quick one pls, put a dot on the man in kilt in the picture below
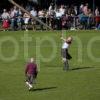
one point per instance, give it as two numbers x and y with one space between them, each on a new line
64 52
31 73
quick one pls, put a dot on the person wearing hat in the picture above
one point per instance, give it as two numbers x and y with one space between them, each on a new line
31 73
64 52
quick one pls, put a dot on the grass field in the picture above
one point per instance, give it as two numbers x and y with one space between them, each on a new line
81 82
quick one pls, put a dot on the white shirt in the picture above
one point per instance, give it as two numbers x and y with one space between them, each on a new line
34 13
5 15
97 12
41 14
58 14
50 8
13 13
62 11
65 45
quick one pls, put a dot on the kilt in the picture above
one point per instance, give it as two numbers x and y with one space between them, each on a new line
31 78
65 54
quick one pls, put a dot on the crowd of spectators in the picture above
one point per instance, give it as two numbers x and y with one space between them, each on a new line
58 17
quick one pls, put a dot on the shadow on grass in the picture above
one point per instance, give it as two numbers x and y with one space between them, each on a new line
82 68
42 89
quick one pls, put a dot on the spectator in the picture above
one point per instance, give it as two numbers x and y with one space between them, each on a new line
26 20
90 19
76 10
64 21
19 22
5 24
5 15
85 9
55 16
58 19
81 8
52 18
97 18
34 14
13 19
41 15
97 13
83 20
62 9
51 7
19 12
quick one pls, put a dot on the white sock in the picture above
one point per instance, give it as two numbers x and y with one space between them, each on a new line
30 85
27 83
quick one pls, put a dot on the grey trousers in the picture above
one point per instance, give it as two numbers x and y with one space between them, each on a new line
65 57
66 65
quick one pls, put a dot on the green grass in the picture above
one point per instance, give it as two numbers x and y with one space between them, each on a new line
82 82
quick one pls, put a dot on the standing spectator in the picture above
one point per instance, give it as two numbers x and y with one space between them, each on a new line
76 10
19 19
86 9
97 13
5 15
97 18
5 18
14 14
41 15
12 20
90 19
19 22
34 14
64 21
0 20
52 18
62 9
58 19
81 8
5 24
19 12
26 20
51 7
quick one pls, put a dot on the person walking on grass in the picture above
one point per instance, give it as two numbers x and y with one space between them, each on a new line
64 52
31 73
